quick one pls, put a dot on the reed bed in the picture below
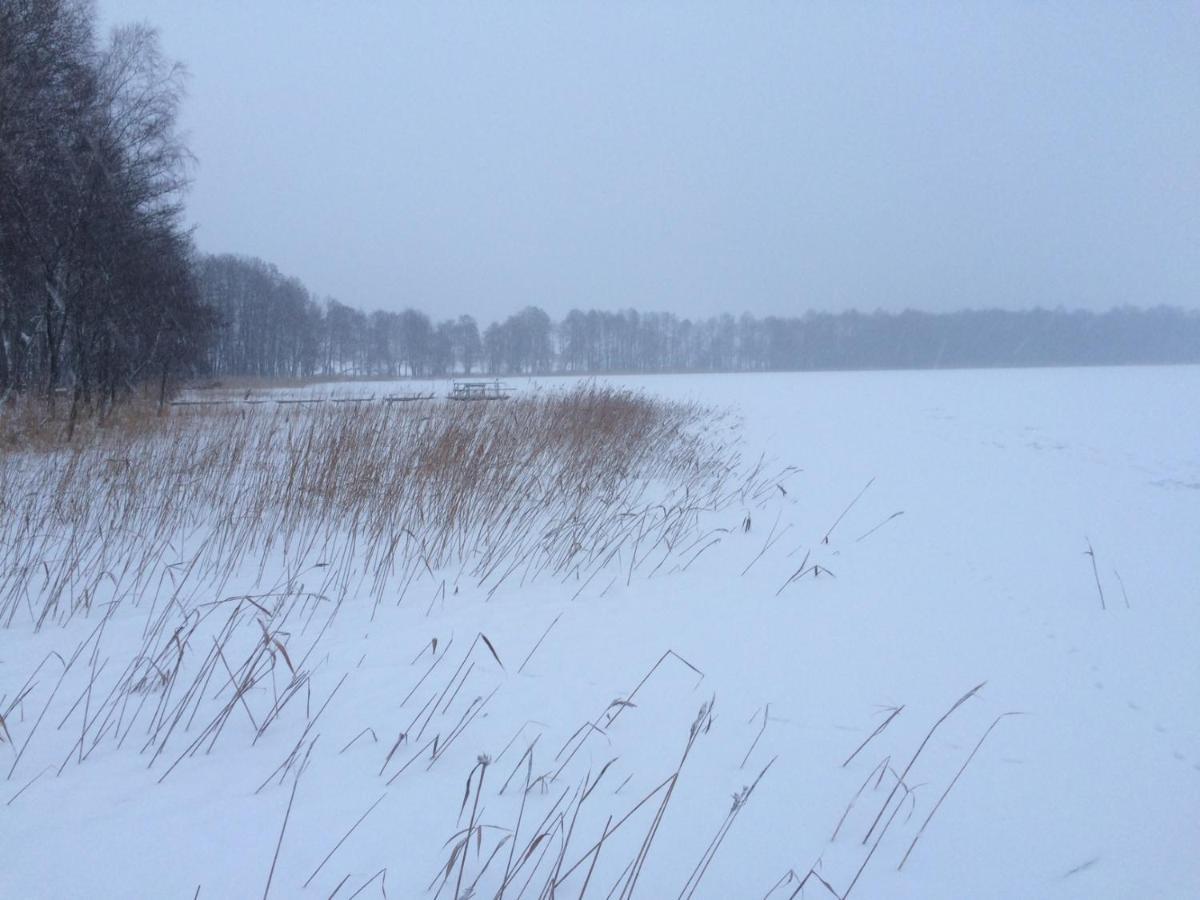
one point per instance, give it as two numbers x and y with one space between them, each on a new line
376 496
194 562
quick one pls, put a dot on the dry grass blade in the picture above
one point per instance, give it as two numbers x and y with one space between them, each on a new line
950 786
343 839
532 651
903 775
282 829
894 711
1091 554
858 496
495 655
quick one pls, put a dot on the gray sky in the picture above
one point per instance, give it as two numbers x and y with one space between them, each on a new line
699 158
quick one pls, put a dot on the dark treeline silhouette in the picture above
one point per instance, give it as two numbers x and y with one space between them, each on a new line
272 326
628 341
97 291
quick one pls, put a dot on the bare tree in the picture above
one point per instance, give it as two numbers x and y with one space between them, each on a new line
95 283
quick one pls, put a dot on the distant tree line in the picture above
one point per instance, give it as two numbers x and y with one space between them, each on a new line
629 341
271 326
97 290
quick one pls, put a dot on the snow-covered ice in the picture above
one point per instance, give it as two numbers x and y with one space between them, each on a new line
963 562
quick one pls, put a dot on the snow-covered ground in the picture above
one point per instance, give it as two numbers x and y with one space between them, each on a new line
942 522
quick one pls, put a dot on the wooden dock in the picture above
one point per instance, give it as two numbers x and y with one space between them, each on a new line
479 390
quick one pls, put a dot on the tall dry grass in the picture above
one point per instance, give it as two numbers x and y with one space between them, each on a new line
373 495
230 537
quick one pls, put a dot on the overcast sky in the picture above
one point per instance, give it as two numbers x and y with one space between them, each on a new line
761 157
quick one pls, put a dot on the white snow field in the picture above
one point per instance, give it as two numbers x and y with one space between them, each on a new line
931 544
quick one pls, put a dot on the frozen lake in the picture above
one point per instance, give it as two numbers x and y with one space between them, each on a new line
948 515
